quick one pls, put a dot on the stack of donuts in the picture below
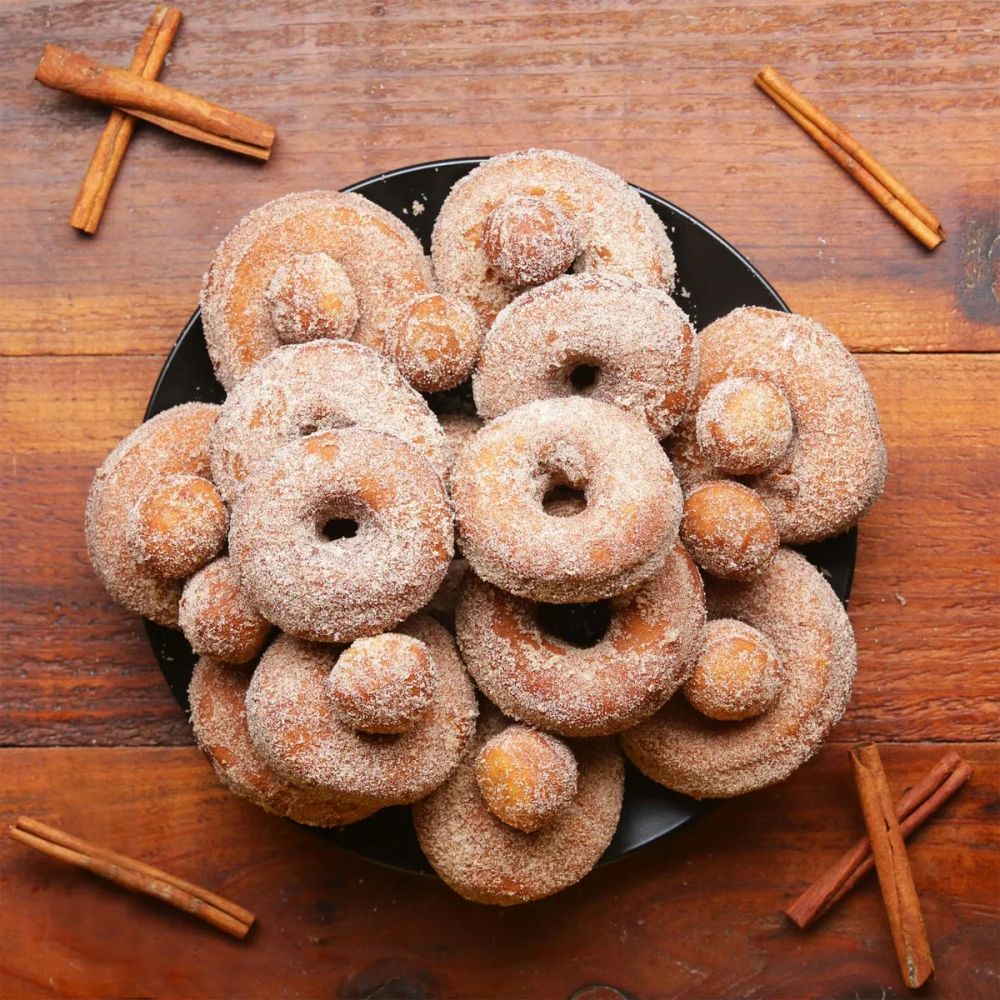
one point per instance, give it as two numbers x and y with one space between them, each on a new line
469 530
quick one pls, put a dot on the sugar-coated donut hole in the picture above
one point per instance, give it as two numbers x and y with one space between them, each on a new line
382 684
526 777
728 530
436 343
177 525
738 674
216 617
744 425
528 240
310 296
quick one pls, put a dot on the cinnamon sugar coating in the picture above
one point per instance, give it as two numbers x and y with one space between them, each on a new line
835 467
635 346
459 429
615 229
310 296
526 777
174 442
728 530
322 385
177 525
295 728
528 240
487 861
342 534
619 540
218 716
381 257
795 608
216 617
648 650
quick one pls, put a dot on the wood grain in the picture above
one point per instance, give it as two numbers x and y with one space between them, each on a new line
661 93
330 925
78 669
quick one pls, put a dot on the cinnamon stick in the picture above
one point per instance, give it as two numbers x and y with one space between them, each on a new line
841 146
170 108
147 61
913 809
899 894
134 875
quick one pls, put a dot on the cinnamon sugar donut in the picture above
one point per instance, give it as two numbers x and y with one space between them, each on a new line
834 467
599 335
620 539
218 715
797 611
488 861
216 617
608 227
322 385
648 650
341 535
295 728
173 443
252 289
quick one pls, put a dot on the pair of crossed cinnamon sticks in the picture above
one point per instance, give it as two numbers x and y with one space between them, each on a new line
884 850
897 199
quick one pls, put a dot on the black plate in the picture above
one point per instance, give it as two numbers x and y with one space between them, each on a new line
712 279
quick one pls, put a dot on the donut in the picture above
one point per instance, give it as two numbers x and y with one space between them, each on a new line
175 442
535 676
526 777
728 529
834 466
620 539
382 684
436 343
216 617
322 385
218 716
795 608
459 429
295 728
311 296
342 534
488 861
177 525
608 225
737 675
598 335
258 283
445 600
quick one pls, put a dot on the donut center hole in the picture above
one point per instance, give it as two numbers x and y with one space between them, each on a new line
580 625
583 377
563 500
336 529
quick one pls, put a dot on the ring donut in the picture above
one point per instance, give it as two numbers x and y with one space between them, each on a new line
622 537
322 385
173 443
290 259
341 535
488 861
294 725
632 345
555 208
218 716
793 606
832 466
647 651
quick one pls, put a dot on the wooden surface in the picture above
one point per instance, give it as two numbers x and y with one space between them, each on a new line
662 93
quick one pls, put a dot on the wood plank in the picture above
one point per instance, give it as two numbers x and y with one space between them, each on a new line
77 670
660 93
331 924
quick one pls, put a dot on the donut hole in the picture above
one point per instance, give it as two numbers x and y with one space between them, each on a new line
338 528
579 625
583 377
562 500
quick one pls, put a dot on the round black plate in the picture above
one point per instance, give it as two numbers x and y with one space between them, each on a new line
712 279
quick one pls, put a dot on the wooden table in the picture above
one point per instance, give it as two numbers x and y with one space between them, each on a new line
660 92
